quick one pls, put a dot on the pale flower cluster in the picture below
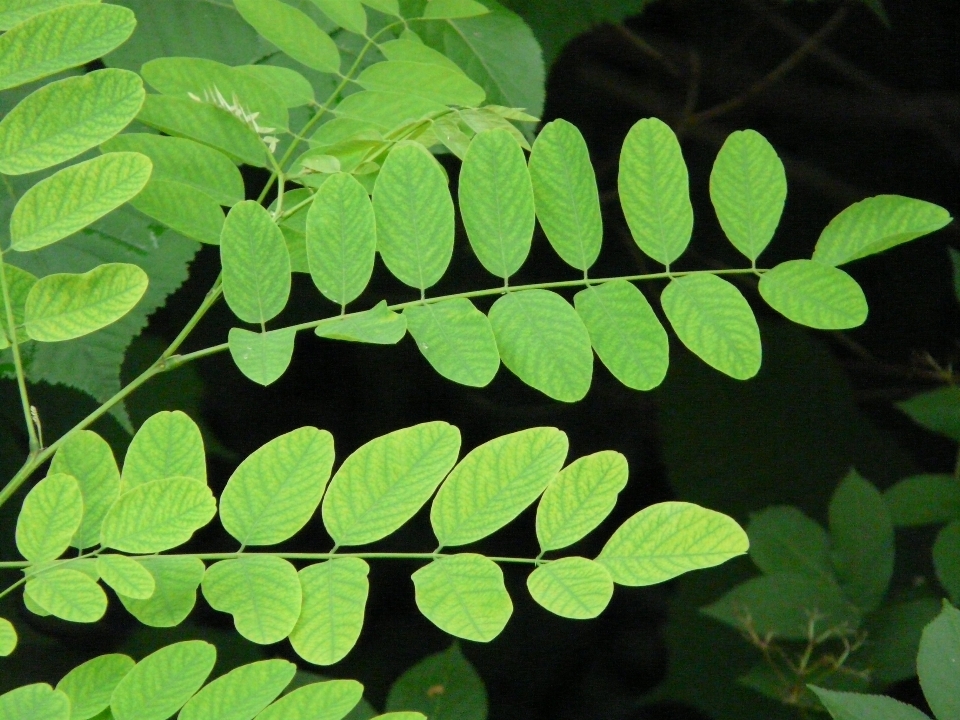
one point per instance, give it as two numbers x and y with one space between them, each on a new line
215 97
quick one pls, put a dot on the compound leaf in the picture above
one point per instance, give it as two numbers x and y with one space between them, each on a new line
923 500
293 32
783 539
292 87
90 685
572 587
176 580
181 208
385 110
451 9
241 693
330 700
262 356
462 695
857 706
813 294
430 81
456 339
937 664
163 682
37 702
168 444
126 576
379 325
936 410
88 458
68 594
51 514
348 14
8 638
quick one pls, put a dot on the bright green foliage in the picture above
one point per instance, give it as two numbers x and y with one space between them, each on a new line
415 219
669 539
262 356
90 685
15 12
276 490
625 332
125 575
51 514
936 410
262 593
861 532
877 224
496 201
348 14
241 693
946 559
439 83
854 706
923 500
158 515
938 664
543 341
783 539
63 38
464 595
65 118
401 716
88 458
167 445
382 110
19 282
341 239
580 498
330 700
449 9
572 587
748 187
495 482
389 7
32 606
565 188
379 325
76 196
715 322
456 339
463 695
162 682
8 638
386 482
181 208
292 87
64 306
68 594
293 32
334 598
414 51
655 191
37 702
176 580
256 266
813 294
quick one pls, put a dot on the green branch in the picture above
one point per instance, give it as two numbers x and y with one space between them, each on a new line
11 325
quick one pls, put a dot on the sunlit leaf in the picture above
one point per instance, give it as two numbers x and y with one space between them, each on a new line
15 12
19 284
330 700
126 576
262 356
51 515
450 9
180 207
293 32
348 14
415 51
162 682
444 686
783 539
946 559
572 587
176 580
90 685
379 325
168 444
813 294
88 458
68 594
241 693
292 87
857 706
37 702
456 339
427 80
8 638
382 109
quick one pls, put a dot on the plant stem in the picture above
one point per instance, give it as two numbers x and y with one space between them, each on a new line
17 362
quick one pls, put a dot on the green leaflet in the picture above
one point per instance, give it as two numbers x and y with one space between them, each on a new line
401 716
32 606
341 240
430 81
415 216
414 51
580 498
241 693
379 325
389 7
187 162
207 124
923 500
181 208
946 559
655 191
37 702
168 444
68 594
64 306
783 539
856 706
292 87
386 482
456 339
936 410
464 595
495 482
263 357
748 187
162 682
861 534
158 515
448 130
572 587
15 12
450 9
330 700
8 638
493 117
126 576
262 593
877 224
275 491
51 514
937 664
813 294
90 685
88 458
334 598
625 332
896 629
293 32
348 14
176 580
385 110
496 201
464 696
74 197
63 38
543 341
668 539
715 322
65 118
19 282
565 188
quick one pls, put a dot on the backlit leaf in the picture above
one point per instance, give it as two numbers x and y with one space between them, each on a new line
125 575
456 339
449 9
68 594
415 51
15 12
384 110
857 706
461 695
348 14
262 356
572 587
162 682
386 481
168 444
334 599
946 559
292 87
379 325
19 283
51 514
8 638
937 410
88 458
276 490
937 664
427 80
330 700
293 32
37 702
180 207
923 500
176 580
241 693
464 595
813 294
90 685
783 539
668 539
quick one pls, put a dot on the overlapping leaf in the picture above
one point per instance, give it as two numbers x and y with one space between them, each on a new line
51 515
241 693
16 11
262 356
379 325
90 685
348 14
127 576
168 444
68 594
35 701
180 207
292 31
19 284
87 457
430 81
331 700
176 580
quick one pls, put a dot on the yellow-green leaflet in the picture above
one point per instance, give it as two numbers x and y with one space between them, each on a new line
262 356
125 575
668 539
19 283
334 599
38 701
464 696
8 638
168 444
464 595
68 594
241 693
386 110
386 482
51 514
162 682
90 685
65 118
427 80
32 606
59 39
76 196
176 580
292 87
416 52
293 32
89 459
181 208
813 294
572 587
330 700
450 9
15 12
388 7
348 14
262 593
379 325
